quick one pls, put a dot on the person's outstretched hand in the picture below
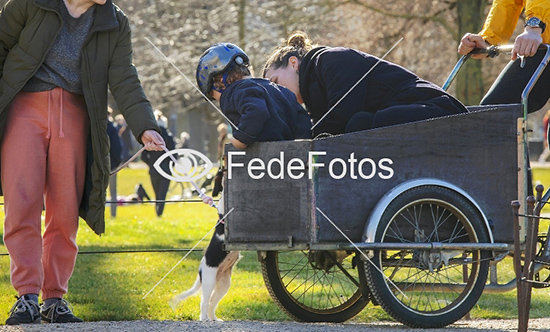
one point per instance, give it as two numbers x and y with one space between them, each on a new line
152 141
469 42
207 200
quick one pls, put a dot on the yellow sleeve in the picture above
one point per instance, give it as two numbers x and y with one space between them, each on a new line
502 20
540 9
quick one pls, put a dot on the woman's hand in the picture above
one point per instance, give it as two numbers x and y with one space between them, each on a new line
207 200
471 41
152 141
527 43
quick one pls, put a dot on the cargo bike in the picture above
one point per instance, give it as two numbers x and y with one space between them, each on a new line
411 217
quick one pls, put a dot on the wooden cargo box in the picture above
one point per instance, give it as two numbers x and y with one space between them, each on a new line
274 198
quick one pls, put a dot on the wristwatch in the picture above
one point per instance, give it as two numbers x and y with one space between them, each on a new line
535 22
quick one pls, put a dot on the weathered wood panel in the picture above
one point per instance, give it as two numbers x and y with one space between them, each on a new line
267 209
476 152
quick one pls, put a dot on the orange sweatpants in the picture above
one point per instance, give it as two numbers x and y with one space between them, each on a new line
43 163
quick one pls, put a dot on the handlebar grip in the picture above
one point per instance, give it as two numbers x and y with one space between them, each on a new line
493 50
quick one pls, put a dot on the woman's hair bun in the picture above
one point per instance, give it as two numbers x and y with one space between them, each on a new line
299 40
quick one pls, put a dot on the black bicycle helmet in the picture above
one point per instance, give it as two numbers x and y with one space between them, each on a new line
217 59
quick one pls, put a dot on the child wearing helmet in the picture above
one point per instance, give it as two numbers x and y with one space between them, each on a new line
260 110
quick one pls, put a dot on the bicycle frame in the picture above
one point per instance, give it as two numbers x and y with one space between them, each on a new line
492 52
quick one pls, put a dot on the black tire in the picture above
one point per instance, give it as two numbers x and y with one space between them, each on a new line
542 275
438 287
309 287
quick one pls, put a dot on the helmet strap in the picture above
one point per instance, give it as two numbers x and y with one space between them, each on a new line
224 78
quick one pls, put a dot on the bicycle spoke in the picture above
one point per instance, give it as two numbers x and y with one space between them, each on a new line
315 287
419 280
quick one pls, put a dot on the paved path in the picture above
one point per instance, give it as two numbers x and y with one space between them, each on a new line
539 324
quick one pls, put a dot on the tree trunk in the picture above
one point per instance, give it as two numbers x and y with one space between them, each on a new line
242 25
469 83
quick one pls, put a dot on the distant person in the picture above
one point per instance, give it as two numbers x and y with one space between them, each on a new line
322 78
115 152
58 60
159 182
183 142
125 135
223 138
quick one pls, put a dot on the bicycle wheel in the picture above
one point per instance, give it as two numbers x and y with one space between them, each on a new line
316 286
429 288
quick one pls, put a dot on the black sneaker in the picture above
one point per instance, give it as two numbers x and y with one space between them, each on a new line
59 313
24 312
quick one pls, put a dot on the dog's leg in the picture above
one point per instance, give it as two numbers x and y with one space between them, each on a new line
222 287
223 281
208 284
184 295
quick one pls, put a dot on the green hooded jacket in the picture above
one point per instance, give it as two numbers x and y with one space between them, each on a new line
28 29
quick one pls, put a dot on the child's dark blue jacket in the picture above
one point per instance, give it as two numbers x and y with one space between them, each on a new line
264 111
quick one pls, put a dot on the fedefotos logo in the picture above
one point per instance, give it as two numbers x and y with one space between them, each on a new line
278 168
185 165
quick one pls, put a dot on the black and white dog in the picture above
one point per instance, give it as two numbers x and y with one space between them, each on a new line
214 276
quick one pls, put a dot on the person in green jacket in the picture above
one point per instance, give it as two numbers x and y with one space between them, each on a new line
57 60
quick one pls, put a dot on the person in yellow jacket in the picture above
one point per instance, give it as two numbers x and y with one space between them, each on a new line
498 28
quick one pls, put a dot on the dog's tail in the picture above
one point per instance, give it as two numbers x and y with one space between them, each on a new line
191 291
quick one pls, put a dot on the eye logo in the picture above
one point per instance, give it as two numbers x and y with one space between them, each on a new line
185 165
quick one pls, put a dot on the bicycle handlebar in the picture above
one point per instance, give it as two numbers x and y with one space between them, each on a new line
491 51
495 50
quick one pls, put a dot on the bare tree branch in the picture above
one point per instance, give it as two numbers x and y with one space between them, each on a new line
436 17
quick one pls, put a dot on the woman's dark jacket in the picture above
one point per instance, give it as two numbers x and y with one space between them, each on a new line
28 29
327 74
264 111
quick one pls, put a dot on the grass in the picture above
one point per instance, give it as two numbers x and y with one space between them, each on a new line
112 286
